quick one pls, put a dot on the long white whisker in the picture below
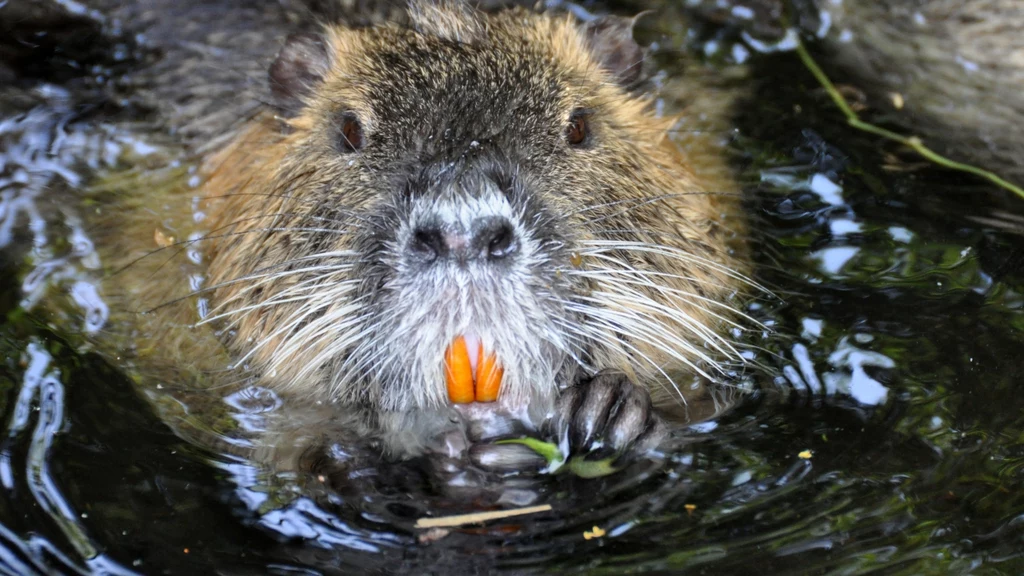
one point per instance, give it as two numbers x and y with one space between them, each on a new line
604 274
294 319
615 342
626 324
601 246
706 334
285 296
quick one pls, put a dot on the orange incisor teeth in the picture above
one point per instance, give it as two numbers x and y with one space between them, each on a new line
463 387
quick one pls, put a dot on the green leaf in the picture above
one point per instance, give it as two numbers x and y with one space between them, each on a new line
592 468
578 466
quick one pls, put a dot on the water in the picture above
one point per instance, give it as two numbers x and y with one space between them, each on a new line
886 435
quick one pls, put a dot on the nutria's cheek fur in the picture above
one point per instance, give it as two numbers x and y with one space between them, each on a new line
477 174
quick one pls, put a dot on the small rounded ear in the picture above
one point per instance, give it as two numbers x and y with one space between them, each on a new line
611 42
300 65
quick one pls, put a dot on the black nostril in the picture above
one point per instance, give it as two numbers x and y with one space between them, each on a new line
490 239
428 243
495 238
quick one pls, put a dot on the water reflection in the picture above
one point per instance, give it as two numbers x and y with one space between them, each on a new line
47 155
41 397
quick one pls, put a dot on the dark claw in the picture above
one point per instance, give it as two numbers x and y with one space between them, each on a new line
593 412
608 415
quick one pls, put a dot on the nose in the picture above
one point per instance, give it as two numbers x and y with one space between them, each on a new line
490 239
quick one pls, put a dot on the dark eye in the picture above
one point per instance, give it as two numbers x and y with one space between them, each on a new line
578 130
351 133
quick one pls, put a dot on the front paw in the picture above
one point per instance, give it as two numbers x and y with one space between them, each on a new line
608 416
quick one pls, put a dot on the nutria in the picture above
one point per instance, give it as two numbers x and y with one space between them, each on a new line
485 176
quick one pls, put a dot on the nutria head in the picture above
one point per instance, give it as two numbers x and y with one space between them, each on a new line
473 175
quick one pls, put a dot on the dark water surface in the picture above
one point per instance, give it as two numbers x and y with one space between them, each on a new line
886 435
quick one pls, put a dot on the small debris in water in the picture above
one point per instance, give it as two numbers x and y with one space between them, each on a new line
897 100
162 240
433 535
594 532
806 455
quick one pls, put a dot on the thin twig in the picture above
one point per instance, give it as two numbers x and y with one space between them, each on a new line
478 517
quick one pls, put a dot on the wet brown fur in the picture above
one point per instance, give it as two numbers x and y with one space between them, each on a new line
266 172
265 184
